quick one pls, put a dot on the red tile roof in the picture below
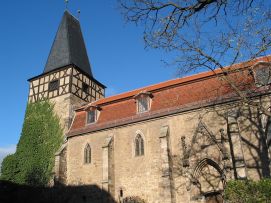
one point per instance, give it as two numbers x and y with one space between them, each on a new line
168 97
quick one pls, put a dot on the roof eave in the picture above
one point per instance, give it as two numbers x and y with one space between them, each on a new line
66 66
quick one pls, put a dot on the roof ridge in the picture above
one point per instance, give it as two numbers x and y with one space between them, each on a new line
178 81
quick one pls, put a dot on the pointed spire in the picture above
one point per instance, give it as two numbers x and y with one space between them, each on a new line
68 47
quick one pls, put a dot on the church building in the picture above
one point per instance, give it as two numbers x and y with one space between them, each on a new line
177 141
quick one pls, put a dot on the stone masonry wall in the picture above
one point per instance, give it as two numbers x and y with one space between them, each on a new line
143 176
64 108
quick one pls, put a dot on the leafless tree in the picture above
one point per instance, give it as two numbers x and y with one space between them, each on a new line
205 34
209 35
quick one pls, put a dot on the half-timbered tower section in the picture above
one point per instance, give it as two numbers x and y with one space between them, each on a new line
67 79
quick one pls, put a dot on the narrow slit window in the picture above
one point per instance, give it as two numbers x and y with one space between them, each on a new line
87 154
139 146
268 129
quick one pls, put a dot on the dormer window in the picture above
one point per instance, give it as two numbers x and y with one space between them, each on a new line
91 116
142 104
262 73
92 113
143 100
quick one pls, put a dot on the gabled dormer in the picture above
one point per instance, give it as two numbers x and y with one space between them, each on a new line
262 73
143 101
93 113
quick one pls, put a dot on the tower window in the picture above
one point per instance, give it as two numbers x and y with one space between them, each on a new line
87 154
91 116
142 104
121 193
53 85
85 88
139 145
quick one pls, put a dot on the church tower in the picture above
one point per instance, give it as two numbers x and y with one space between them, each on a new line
67 79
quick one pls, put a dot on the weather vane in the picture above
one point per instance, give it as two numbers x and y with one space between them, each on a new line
66 3
78 13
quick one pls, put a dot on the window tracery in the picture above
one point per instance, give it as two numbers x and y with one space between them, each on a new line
87 154
139 145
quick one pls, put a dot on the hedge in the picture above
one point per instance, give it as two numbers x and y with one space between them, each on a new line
248 191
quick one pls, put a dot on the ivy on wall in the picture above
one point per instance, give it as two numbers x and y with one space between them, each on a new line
41 137
238 191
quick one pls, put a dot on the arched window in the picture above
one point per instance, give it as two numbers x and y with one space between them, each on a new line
87 154
139 145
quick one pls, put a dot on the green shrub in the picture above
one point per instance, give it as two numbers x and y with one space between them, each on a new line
247 191
41 137
9 167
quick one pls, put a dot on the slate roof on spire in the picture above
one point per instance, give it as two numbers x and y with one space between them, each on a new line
68 47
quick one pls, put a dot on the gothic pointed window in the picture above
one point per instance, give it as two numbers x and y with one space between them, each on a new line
87 154
268 132
139 145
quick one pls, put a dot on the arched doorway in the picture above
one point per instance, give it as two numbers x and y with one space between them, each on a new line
208 182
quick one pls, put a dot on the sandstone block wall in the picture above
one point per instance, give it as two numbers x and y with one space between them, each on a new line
64 108
146 176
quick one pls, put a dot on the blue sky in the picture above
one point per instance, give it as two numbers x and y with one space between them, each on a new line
116 52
